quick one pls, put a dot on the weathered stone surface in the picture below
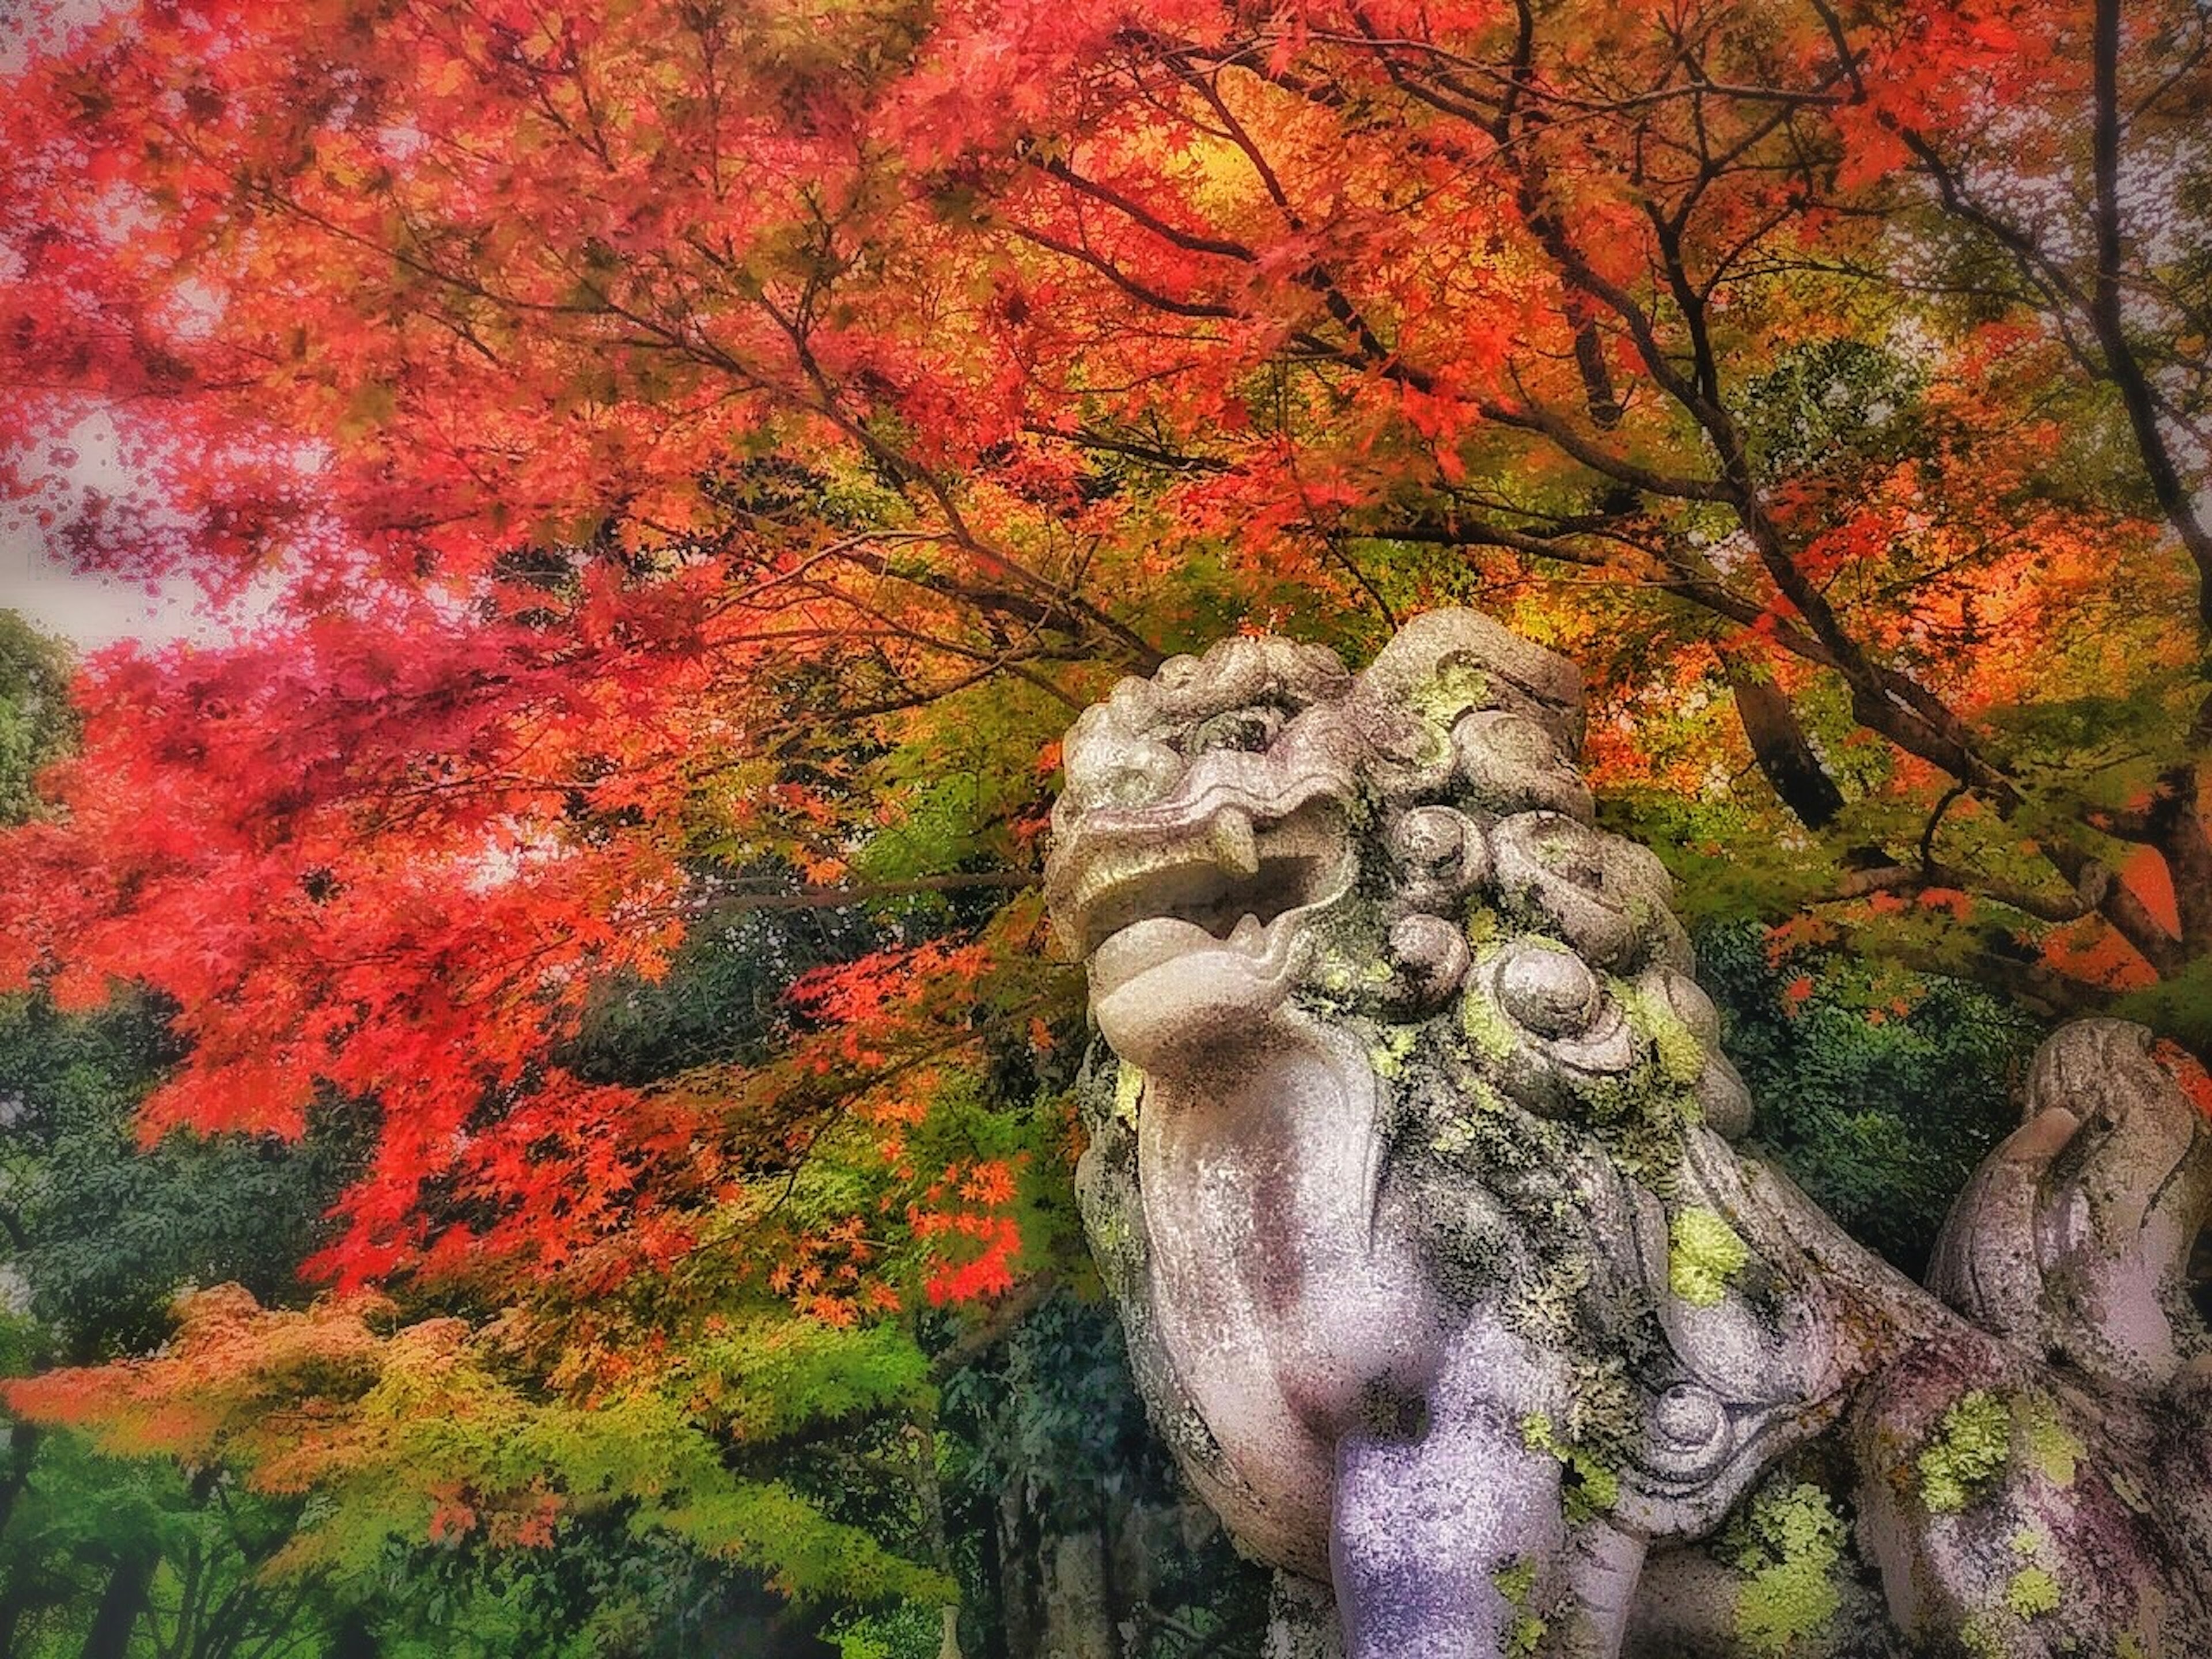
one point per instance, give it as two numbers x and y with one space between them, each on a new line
1411 1170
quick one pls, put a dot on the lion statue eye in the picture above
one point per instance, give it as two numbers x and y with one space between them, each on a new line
1250 729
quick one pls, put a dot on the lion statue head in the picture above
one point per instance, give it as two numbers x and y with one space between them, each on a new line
1256 829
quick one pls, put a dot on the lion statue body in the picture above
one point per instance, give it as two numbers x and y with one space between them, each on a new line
1413 1176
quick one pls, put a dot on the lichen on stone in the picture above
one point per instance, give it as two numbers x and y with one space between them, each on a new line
1449 694
1472 1123
1787 1541
1963 1456
1604 1409
2051 1449
1639 1119
1392 1046
1541 1304
2032 1592
1979 1637
1516 1583
1128 1090
1703 1254
1681 1053
1112 1235
1486 1025
1588 1488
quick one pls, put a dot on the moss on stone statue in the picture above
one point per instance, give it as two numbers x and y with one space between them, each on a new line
1979 1637
1681 1055
1516 1583
1465 1136
1519 907
2032 1592
1604 1413
1588 1489
1521 1159
1487 1026
1969 1447
1390 1048
1128 1090
1110 1235
1703 1254
1448 696
1640 1119
1788 1542
2051 1449
1525 1635
1542 1303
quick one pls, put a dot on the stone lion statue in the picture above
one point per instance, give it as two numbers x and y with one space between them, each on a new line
1412 1170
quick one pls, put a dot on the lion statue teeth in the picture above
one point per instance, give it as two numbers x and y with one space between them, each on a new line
1412 1171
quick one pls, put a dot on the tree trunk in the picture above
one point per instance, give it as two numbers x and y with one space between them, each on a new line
120 1605
1779 745
22 1449
983 1523
354 1639
1077 1597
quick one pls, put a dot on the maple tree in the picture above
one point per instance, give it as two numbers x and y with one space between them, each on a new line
706 451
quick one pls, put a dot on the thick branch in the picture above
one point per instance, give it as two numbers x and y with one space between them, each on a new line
1785 755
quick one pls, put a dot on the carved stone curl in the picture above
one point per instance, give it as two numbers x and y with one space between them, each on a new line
1411 1171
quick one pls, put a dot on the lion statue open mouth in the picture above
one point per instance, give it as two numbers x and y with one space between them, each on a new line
1412 1173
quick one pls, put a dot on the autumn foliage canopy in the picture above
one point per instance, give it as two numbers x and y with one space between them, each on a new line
702 451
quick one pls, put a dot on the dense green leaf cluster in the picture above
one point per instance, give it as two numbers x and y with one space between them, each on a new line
37 723
1877 1095
103 1233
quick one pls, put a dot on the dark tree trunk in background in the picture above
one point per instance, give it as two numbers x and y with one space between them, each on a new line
1083 1590
22 1449
1086 1545
1785 755
15 1601
355 1638
120 1605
